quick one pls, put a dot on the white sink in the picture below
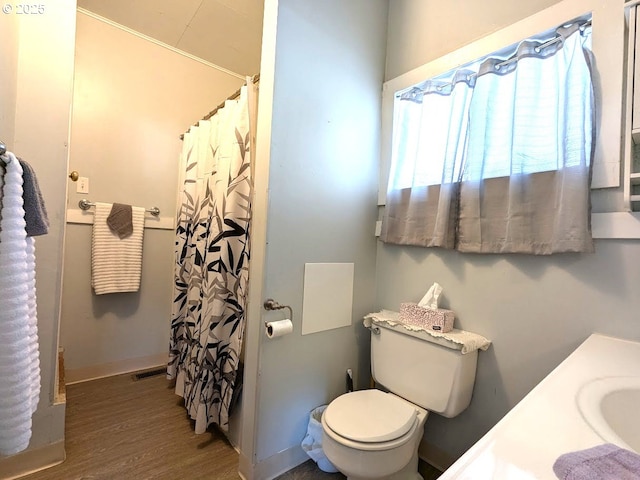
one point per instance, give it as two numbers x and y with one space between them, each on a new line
591 398
611 406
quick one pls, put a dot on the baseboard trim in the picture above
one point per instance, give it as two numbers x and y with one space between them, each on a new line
31 461
272 466
93 372
435 456
245 467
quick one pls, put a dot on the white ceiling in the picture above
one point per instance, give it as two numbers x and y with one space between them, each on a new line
227 33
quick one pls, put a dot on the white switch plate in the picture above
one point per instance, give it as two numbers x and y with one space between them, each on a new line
82 186
378 228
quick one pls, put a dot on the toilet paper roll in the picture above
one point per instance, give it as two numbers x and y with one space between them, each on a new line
279 328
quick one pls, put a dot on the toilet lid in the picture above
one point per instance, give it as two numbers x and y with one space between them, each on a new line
370 416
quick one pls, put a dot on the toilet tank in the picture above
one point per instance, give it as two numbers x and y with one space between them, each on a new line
413 366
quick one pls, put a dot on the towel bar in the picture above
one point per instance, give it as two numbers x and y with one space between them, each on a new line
85 204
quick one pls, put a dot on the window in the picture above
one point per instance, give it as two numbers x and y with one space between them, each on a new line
495 157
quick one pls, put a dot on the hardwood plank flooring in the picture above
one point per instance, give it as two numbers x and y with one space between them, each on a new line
310 471
121 429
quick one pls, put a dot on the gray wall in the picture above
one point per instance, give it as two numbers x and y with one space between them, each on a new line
8 87
536 310
322 201
120 328
423 30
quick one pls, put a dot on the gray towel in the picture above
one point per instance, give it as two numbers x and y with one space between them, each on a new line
35 212
120 220
604 462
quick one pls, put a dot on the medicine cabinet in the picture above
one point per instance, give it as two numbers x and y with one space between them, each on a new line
632 116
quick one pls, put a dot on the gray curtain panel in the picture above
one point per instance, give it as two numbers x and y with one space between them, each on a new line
526 213
422 216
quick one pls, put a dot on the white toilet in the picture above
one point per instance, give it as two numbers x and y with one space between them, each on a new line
371 434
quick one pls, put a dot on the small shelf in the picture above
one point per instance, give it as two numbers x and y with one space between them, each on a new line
634 198
635 134
634 178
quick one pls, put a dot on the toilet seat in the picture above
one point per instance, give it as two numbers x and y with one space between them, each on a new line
371 419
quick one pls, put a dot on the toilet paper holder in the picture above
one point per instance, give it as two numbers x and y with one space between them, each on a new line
271 304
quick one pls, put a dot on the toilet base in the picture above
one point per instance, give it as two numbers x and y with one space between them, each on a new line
409 472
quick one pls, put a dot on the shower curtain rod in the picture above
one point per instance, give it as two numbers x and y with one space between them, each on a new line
233 96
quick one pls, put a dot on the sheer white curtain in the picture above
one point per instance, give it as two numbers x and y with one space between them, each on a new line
498 161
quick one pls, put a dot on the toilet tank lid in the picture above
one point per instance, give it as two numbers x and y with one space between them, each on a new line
370 416
456 339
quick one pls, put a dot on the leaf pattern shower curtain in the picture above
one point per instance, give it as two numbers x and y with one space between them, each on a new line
212 262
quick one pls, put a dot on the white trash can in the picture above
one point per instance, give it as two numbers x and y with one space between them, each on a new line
312 442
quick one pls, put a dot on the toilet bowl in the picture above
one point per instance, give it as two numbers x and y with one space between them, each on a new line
370 434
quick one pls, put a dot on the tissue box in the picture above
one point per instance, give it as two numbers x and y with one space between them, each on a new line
438 320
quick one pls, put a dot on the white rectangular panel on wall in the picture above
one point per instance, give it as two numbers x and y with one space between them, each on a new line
327 297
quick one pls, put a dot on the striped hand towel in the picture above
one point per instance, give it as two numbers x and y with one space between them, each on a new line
116 264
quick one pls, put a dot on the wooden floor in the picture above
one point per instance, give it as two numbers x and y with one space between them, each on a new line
121 429
118 428
310 471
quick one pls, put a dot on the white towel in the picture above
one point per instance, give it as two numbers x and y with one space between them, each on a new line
34 348
116 264
468 340
19 364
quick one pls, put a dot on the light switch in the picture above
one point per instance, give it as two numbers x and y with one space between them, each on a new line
82 186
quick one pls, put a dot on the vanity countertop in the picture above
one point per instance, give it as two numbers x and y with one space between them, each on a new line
547 422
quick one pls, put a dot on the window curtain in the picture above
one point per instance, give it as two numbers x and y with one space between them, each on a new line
526 177
422 196
522 184
212 262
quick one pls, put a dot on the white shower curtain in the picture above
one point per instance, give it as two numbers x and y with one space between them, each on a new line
212 261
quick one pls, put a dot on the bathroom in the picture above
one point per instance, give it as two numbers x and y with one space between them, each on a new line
536 310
